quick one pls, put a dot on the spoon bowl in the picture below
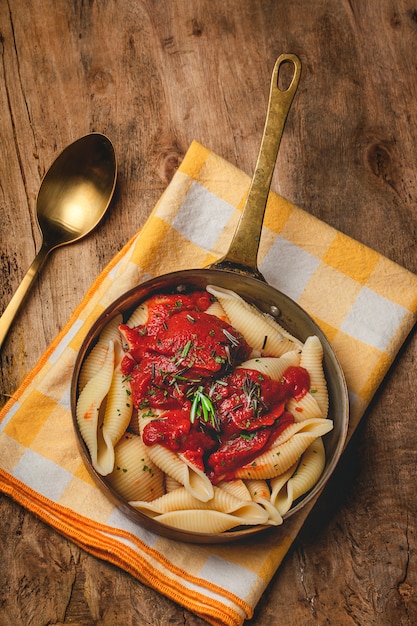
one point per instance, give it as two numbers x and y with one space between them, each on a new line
73 198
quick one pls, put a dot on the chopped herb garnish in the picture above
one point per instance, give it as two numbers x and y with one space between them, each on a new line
247 436
186 349
231 338
252 391
229 358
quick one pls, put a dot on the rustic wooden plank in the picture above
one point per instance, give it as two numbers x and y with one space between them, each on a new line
154 75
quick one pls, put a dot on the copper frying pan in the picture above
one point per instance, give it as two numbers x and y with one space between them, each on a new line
237 271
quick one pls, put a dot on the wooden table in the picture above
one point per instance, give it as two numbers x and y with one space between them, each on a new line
153 75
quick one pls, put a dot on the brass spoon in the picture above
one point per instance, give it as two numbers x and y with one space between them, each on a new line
72 199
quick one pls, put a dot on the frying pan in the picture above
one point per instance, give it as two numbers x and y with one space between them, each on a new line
237 271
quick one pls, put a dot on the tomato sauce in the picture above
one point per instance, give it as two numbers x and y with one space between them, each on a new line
184 362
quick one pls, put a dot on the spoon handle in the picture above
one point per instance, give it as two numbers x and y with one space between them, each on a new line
13 307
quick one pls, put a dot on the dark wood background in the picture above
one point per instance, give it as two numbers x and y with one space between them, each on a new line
153 75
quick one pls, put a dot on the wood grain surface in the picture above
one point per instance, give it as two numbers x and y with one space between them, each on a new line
154 75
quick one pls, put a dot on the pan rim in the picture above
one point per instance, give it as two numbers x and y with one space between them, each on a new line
178 281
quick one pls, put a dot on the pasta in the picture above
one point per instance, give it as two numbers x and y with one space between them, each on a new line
216 309
181 500
285 490
274 367
102 424
204 413
260 493
171 484
263 333
96 358
281 457
223 511
187 474
305 408
134 476
139 316
117 414
179 468
312 360
197 520
237 487
90 404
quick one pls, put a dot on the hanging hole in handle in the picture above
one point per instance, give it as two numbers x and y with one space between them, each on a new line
286 74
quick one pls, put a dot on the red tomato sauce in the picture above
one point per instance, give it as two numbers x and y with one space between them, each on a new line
184 361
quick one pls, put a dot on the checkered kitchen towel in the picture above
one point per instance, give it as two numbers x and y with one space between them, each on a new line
365 304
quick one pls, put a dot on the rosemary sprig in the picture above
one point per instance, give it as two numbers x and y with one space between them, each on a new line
186 349
252 391
202 406
233 340
179 358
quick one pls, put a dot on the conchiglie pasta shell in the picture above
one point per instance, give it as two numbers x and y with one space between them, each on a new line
182 500
176 466
134 476
139 316
258 489
90 402
200 521
305 408
310 426
171 484
274 367
144 416
147 415
191 477
279 458
260 493
117 416
310 468
237 488
217 310
280 481
312 361
95 359
261 331
306 475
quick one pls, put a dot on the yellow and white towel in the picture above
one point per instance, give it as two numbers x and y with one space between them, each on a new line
365 303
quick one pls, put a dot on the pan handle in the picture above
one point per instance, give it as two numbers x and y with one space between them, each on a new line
243 251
